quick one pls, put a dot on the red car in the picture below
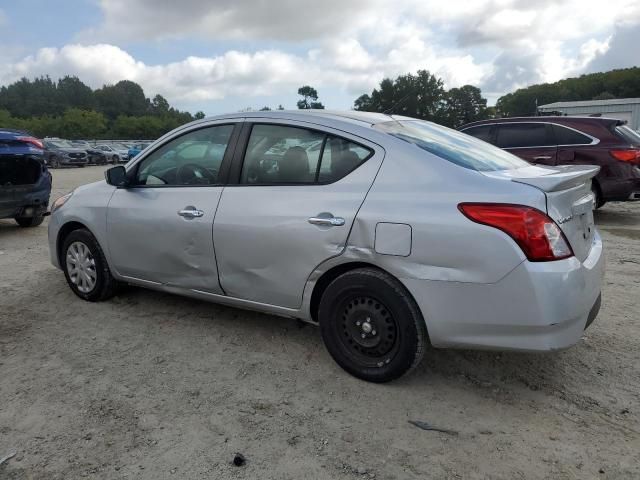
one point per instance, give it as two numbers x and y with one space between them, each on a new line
605 142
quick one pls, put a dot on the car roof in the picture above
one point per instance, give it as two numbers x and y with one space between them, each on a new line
318 116
547 118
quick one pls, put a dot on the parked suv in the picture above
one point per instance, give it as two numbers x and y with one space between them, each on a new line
605 142
61 152
25 182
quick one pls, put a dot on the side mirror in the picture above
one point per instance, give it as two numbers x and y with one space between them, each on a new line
116 176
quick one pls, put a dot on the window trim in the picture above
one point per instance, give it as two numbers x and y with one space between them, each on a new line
594 140
223 173
234 178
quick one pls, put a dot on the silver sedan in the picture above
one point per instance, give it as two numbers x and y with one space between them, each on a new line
390 233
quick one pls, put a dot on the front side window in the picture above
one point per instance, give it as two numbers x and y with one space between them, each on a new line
520 135
455 147
278 154
191 159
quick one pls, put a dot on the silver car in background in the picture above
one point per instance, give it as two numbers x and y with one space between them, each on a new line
391 233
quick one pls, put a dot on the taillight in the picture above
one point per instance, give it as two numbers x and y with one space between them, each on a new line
629 155
538 236
32 140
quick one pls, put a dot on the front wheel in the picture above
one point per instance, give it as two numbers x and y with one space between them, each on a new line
54 162
371 326
115 159
85 267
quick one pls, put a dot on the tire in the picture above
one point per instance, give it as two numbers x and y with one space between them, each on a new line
27 222
115 159
81 246
54 162
595 189
371 326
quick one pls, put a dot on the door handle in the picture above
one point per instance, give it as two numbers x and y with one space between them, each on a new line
327 221
542 157
190 212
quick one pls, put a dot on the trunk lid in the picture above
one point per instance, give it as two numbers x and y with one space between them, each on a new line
570 202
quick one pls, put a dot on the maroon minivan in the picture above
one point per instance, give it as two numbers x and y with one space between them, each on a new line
605 142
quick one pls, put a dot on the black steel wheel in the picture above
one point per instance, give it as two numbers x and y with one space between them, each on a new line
371 326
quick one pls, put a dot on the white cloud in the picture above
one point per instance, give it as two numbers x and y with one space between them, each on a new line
347 66
498 45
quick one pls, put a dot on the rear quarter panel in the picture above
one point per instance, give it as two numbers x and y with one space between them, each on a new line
419 189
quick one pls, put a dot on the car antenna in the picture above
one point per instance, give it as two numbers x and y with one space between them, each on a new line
389 111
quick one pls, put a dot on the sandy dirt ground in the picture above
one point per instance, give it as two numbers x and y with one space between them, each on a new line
155 386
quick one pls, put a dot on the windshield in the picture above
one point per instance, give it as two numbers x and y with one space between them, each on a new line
456 147
629 135
61 144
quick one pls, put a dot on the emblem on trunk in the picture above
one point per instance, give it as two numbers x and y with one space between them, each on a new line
562 220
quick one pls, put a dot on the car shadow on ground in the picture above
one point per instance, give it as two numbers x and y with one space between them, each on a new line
483 369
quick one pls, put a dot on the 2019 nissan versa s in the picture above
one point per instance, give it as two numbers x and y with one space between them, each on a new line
389 232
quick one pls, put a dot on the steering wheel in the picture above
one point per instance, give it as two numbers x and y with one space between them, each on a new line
193 174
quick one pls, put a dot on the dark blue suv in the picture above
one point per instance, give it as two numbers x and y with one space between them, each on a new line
25 182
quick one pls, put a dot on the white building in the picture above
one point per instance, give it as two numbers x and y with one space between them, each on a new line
621 108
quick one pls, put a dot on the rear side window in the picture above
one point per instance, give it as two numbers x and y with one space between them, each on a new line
519 135
280 155
455 147
567 136
482 132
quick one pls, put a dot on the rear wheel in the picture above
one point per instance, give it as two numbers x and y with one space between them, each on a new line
371 326
85 267
597 193
54 162
115 159
29 221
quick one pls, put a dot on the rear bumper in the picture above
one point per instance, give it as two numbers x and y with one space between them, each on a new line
33 203
623 189
537 307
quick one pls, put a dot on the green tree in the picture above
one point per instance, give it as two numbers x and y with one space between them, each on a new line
463 105
159 105
418 96
199 115
309 98
265 109
72 93
123 98
280 107
76 123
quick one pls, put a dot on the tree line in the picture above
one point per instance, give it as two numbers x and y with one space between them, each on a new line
68 108
620 83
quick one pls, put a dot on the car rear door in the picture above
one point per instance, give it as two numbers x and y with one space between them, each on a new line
531 141
159 229
296 194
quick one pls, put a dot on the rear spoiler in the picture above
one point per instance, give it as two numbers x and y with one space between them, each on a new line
566 177
550 179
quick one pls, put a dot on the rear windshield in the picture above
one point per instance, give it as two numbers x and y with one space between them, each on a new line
456 147
628 135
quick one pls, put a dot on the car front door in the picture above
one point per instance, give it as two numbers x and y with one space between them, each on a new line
531 141
160 227
297 191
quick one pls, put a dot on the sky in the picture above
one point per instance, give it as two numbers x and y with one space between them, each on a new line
226 55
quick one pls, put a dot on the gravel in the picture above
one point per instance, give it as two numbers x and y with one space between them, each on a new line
152 386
